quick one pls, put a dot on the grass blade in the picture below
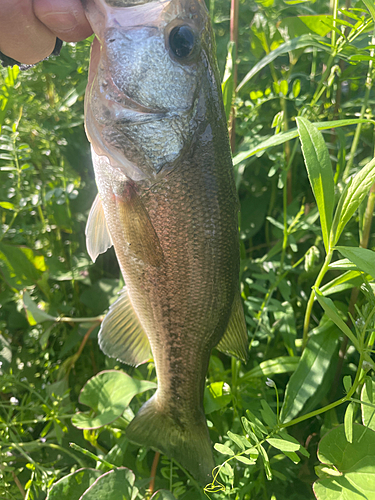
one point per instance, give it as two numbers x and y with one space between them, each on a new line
278 139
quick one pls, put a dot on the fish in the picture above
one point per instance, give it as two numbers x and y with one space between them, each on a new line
168 204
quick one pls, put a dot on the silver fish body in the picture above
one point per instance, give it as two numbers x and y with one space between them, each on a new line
167 202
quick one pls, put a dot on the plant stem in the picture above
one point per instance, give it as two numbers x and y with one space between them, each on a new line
91 455
153 472
96 319
320 88
19 485
334 15
286 203
310 303
80 349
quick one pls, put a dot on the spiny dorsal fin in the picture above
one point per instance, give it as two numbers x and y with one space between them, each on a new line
98 239
234 341
121 335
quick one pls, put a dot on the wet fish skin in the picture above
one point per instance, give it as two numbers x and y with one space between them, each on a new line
163 168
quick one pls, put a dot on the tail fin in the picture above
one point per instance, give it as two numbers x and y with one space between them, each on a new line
188 443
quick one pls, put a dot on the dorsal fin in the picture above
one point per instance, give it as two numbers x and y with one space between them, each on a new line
121 335
235 341
98 239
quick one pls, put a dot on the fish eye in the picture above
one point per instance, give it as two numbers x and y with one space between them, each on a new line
182 41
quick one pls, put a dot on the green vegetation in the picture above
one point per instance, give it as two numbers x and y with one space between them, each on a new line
297 422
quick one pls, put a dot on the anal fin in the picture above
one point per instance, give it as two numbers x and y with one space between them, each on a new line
121 335
98 239
235 341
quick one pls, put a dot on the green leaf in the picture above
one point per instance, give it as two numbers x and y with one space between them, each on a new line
227 86
319 170
216 396
73 486
292 456
276 140
284 87
116 454
342 264
5 352
363 258
38 315
22 264
108 393
296 87
348 422
227 470
270 367
347 382
266 462
354 478
256 424
368 404
237 439
300 25
294 44
352 196
370 5
310 374
245 460
287 326
6 205
267 414
344 282
332 312
116 484
224 450
253 452
283 445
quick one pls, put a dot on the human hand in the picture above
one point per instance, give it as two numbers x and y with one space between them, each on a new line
28 28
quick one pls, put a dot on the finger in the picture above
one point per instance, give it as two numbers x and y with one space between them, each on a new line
65 18
22 36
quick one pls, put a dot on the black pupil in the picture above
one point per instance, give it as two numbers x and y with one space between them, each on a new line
181 41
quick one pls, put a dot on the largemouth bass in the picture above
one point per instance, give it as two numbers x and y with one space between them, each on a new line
167 202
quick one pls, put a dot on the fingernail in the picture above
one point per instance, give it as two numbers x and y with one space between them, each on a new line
60 21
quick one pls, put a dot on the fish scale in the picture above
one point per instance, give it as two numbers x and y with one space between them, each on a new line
170 209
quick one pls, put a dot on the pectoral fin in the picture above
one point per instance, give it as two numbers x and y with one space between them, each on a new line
121 335
234 341
139 233
98 239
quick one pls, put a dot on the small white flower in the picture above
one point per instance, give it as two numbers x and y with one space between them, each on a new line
270 382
